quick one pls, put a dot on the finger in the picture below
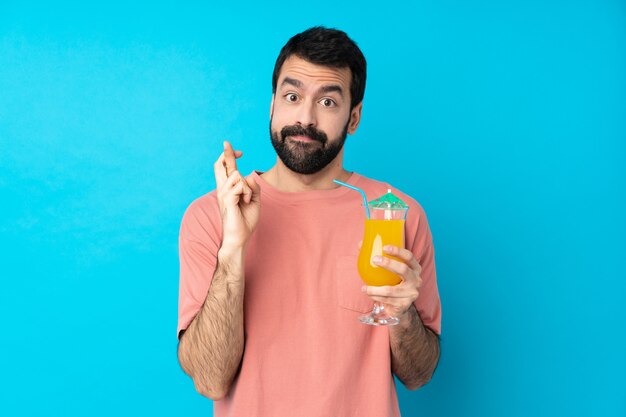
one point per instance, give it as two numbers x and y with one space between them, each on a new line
394 266
252 183
397 303
391 291
229 162
228 184
233 195
218 170
238 185
254 187
406 255
230 157
360 244
234 178
234 185
247 191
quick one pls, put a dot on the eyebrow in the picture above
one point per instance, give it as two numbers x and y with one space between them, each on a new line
331 88
325 89
292 81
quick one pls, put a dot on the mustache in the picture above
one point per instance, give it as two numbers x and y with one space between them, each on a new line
309 132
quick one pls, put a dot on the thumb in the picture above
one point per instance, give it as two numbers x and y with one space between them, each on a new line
254 186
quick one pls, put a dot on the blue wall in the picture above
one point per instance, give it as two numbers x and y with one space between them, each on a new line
506 121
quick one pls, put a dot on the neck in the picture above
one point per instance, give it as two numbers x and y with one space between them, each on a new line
284 179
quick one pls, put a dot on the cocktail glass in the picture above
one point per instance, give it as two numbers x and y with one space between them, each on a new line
385 226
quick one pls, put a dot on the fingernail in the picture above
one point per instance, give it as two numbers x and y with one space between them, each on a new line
377 258
387 248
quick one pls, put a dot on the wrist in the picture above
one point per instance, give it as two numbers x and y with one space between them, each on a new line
228 248
231 257
233 244
409 318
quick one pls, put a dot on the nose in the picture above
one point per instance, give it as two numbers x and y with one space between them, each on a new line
306 115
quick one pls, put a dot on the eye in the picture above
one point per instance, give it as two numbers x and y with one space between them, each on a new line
291 97
327 102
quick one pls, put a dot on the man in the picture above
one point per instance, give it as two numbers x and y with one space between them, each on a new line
269 290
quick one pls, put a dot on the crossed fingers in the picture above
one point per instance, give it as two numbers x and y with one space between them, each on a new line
226 164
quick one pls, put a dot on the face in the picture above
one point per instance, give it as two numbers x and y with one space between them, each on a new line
310 115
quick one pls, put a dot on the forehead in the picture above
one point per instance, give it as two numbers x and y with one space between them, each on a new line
313 74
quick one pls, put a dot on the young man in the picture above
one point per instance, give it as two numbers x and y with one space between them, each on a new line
269 289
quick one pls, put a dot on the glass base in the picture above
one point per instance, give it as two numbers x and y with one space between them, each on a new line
379 317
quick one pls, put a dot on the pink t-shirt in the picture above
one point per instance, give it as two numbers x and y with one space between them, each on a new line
305 354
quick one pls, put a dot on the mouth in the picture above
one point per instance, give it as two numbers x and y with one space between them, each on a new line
304 139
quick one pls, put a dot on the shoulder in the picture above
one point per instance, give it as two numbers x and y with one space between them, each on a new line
202 214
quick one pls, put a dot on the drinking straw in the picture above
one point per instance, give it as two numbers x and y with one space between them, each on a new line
367 208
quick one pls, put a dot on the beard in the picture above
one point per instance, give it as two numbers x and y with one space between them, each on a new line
306 157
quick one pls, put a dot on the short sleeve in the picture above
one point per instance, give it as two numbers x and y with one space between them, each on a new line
420 242
198 244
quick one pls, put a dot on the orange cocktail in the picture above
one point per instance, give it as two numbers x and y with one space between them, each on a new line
384 226
378 233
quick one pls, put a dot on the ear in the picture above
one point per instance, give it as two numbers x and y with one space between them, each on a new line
272 106
355 118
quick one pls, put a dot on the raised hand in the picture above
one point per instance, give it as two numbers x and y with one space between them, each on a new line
238 198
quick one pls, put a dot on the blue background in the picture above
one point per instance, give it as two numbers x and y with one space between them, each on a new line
506 120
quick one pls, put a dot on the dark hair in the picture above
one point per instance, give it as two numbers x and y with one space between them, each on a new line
329 47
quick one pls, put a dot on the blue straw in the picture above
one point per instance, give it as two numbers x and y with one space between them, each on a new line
367 208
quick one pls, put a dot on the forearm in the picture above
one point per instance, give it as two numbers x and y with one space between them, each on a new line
211 348
414 350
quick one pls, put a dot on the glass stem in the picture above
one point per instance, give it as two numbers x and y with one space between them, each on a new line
378 307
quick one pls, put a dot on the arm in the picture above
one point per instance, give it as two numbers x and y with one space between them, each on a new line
414 350
211 348
414 347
